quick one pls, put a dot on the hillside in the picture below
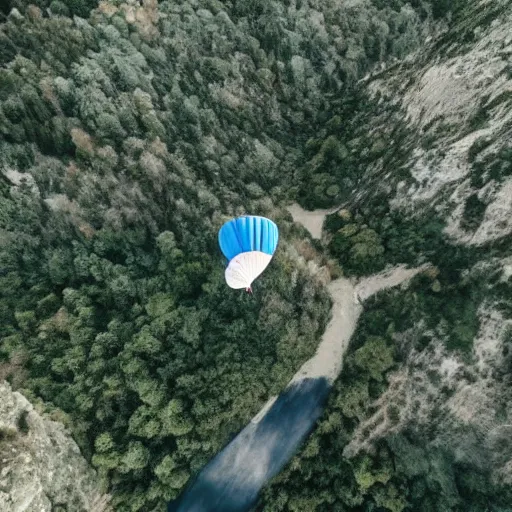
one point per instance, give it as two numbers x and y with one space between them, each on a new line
41 468
131 131
431 430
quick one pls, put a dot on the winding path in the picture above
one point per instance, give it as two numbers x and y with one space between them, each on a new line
231 481
348 297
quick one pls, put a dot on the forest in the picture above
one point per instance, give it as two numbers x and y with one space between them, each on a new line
129 133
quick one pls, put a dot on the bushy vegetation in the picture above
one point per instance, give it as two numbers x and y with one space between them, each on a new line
366 238
128 138
417 467
129 133
491 166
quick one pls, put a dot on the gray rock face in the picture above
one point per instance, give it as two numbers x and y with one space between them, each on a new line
41 467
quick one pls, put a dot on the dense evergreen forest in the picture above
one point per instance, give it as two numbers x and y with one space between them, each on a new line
129 133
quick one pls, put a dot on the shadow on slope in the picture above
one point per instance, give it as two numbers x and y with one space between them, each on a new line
232 480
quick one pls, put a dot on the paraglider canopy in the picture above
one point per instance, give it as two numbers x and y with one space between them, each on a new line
248 242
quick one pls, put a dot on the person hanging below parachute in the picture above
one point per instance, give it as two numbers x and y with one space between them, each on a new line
248 243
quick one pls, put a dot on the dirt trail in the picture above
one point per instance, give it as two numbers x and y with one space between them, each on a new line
312 221
232 480
389 278
348 296
347 299
328 358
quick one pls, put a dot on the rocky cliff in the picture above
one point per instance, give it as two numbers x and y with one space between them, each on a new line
455 99
126 133
41 467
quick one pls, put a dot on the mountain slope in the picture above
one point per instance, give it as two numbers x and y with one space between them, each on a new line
130 134
431 431
41 467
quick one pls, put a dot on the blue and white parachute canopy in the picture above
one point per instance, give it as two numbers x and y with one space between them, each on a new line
248 243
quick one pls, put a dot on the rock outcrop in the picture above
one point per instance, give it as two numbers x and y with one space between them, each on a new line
41 467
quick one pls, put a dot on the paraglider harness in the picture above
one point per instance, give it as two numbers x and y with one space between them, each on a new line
249 290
